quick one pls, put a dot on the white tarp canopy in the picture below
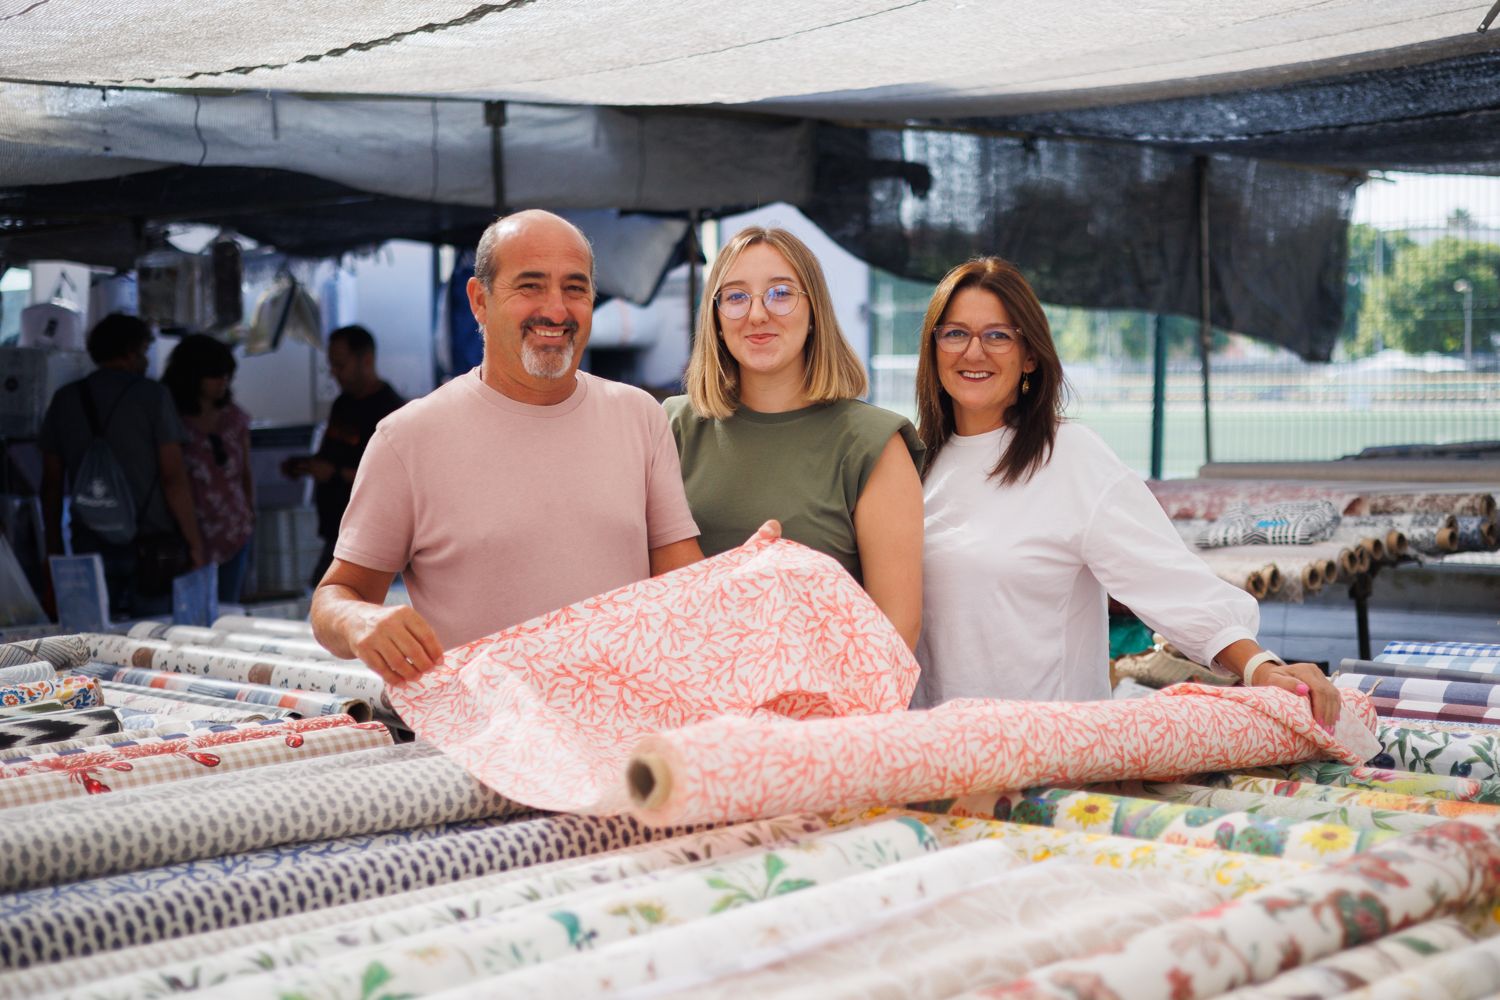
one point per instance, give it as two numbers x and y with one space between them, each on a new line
876 58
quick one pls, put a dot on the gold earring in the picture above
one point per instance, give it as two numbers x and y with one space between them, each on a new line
1025 384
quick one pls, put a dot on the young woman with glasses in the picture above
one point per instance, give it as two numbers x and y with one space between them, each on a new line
772 426
1030 520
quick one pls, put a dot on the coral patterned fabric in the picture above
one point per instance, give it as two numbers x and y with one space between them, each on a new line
732 768
546 712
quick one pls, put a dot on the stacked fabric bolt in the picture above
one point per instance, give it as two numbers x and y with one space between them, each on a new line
1455 682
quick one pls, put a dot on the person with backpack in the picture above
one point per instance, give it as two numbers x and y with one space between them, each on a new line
112 444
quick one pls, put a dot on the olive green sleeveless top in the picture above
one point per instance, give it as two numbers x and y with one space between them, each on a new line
805 468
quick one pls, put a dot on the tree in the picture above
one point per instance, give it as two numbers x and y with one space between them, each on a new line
1372 255
1415 307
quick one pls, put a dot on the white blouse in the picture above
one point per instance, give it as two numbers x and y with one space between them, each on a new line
1014 577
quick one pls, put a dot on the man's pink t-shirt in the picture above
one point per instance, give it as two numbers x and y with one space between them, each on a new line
497 511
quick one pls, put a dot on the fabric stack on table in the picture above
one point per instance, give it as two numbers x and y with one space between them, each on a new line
761 690
1437 681
1285 540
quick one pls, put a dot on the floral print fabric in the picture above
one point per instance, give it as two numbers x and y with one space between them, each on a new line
1357 816
1424 751
1414 879
1414 800
1171 823
742 768
546 712
1378 779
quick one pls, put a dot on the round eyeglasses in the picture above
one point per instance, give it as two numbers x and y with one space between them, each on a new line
779 300
994 339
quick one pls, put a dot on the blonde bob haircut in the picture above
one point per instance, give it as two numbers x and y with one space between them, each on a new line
830 368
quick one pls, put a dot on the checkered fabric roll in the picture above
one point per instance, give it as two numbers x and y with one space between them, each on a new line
1293 523
1473 664
1480 649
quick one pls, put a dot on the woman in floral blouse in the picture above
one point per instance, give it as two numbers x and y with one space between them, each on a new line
217 454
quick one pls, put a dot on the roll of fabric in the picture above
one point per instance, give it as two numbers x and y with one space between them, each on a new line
26 673
1227 873
1421 690
216 956
1415 801
1287 523
102 771
1418 710
234 665
250 642
1423 751
1170 822
274 626
1467 973
124 737
1349 970
1385 544
989 934
1476 534
1474 664
1375 668
737 768
72 691
1384 780
304 703
1420 877
1358 817
1458 502
1302 574
64 932
366 792
186 704
455 955
1185 499
64 652
546 712
21 732
1482 650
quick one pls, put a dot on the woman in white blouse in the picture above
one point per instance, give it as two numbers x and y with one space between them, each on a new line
1030 520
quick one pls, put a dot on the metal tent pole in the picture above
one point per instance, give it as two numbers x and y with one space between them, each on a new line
1205 325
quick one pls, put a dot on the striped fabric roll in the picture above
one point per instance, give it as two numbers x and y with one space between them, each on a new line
185 704
1480 649
1474 664
1420 689
1393 708
1375 668
303 703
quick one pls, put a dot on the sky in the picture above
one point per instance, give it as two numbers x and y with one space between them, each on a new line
1396 201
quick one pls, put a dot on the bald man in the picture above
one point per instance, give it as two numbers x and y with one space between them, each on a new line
518 488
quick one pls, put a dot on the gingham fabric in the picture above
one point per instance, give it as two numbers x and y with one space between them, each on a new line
1472 664
1292 523
1481 649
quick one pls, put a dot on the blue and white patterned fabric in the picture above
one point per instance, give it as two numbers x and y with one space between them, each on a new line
1292 523
1473 664
1481 649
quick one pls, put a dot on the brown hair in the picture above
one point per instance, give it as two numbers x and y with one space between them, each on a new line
1036 413
831 370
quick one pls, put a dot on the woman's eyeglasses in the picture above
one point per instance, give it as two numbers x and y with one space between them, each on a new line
994 339
779 300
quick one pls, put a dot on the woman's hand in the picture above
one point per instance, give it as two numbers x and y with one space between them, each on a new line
1307 680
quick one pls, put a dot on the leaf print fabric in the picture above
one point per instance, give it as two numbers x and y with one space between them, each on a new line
1425 751
586 921
546 712
1415 801
1467 973
1171 823
209 959
1417 878
734 768
1377 779
706 950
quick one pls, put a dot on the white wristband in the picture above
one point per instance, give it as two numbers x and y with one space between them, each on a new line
1264 656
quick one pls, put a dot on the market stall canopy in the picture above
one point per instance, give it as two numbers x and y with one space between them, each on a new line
1086 143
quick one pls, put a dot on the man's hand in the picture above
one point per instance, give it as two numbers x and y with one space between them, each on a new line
395 642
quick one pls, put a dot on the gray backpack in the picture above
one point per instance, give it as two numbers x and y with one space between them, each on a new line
101 497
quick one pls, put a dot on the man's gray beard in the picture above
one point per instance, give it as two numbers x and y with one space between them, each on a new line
546 363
